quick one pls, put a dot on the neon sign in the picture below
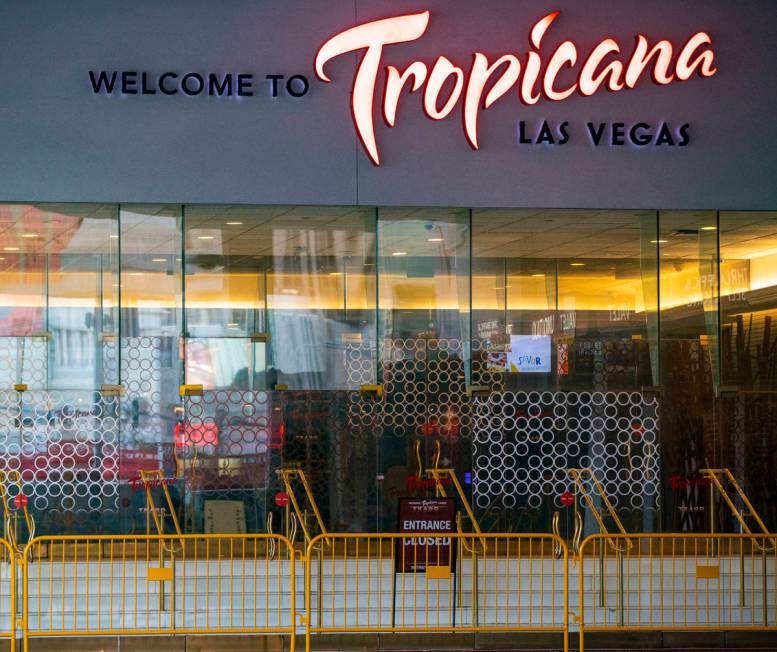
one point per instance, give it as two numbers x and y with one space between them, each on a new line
605 67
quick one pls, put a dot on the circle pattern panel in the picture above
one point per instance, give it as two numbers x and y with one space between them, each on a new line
524 442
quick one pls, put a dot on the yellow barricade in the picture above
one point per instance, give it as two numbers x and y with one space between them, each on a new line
664 582
176 584
426 582
8 596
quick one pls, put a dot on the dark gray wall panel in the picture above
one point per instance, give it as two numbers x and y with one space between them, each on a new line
60 142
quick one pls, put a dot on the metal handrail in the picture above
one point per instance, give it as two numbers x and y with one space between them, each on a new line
713 475
147 476
577 476
436 474
288 476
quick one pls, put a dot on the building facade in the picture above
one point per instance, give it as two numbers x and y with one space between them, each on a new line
547 232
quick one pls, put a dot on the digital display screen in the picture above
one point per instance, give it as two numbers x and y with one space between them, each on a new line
526 354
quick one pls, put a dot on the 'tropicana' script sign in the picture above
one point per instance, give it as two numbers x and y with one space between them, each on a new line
553 76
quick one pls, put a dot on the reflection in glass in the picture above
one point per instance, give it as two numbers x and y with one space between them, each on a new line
295 279
424 333
748 356
550 318
58 322
150 362
689 360
58 273
583 281
565 337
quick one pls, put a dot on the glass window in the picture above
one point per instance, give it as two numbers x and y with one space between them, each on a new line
565 338
59 279
58 320
424 328
748 356
151 295
575 330
565 300
275 296
688 244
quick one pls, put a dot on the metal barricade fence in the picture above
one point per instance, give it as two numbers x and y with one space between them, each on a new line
362 583
664 582
369 583
177 584
8 595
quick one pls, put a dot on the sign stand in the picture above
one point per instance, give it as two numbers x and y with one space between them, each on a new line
417 517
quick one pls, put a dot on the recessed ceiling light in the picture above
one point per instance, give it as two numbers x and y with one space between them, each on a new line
335 273
205 237
399 253
577 264
234 223
538 275
11 248
29 235
159 260
659 241
113 235
232 325
135 274
709 228
434 239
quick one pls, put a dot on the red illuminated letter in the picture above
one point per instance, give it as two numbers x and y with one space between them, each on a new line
442 70
565 55
533 61
590 81
372 37
705 62
640 60
478 78
395 82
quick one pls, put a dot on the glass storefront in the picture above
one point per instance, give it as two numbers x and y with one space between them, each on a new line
525 342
